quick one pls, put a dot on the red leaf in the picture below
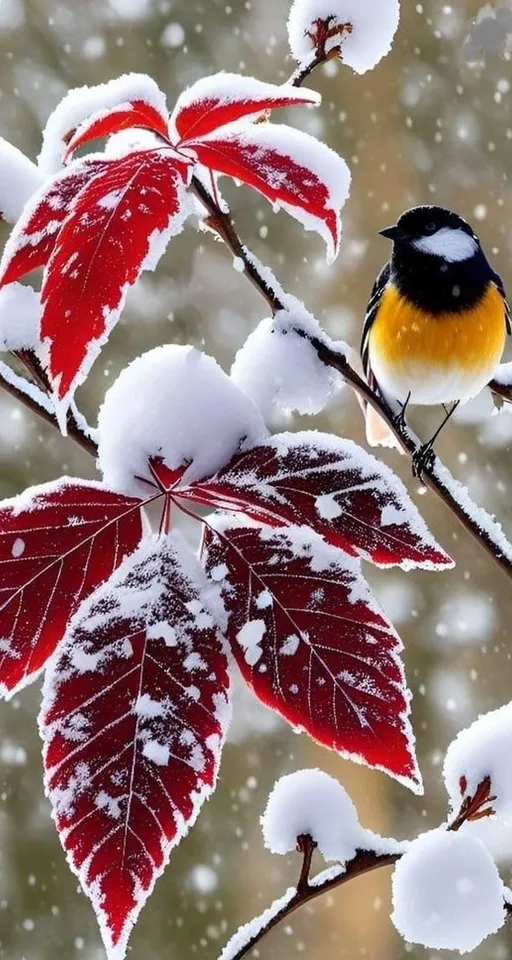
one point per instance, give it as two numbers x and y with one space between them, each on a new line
290 168
133 721
311 642
33 238
331 485
58 542
104 244
125 116
223 98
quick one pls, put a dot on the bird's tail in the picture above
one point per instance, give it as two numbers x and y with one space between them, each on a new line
378 434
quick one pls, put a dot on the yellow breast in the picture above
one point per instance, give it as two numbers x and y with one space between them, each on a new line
459 350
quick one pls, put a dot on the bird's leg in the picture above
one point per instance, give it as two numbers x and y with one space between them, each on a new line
400 417
424 456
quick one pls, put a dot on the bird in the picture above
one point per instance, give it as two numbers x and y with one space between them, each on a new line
436 323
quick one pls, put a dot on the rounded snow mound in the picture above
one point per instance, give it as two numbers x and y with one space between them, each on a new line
176 403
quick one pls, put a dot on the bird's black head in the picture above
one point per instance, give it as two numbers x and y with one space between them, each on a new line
437 260
435 232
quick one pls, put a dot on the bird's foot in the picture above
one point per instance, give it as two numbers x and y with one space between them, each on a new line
423 460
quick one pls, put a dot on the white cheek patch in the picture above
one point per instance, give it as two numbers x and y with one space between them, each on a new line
451 245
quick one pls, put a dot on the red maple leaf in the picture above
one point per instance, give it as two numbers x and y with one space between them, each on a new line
124 116
133 720
311 642
334 487
102 249
32 239
58 542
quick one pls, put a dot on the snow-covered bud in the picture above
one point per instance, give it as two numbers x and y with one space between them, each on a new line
360 32
478 759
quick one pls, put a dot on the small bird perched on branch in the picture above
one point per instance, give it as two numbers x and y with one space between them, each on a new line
436 323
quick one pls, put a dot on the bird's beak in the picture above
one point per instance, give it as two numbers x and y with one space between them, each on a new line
394 233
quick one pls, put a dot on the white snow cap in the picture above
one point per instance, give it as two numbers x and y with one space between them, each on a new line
81 102
173 402
311 802
19 179
447 892
482 750
20 308
280 369
374 24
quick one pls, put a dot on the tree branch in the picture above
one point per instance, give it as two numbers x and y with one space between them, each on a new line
32 396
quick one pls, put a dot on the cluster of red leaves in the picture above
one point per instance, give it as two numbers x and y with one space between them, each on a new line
103 219
136 696
135 633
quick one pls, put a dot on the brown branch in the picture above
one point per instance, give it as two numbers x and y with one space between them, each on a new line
32 396
250 934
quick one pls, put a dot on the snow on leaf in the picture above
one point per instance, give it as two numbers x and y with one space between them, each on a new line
290 168
134 713
32 240
311 642
122 217
125 116
331 485
214 101
58 542
82 102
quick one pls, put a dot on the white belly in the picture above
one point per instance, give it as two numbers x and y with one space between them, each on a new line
429 386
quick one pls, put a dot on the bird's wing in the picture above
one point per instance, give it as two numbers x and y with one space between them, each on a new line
371 312
508 311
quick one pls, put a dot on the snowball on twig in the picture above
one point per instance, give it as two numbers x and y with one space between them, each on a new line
370 28
447 892
280 369
310 802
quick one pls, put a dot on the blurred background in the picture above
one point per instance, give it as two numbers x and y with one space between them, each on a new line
433 123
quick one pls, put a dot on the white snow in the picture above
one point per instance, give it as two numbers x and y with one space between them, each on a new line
280 369
19 179
20 309
311 802
374 24
249 637
447 892
81 102
201 418
225 89
483 750
503 374
157 752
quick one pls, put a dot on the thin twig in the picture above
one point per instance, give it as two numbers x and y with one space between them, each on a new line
250 935
32 396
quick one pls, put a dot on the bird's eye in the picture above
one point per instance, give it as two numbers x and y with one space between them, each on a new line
431 228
